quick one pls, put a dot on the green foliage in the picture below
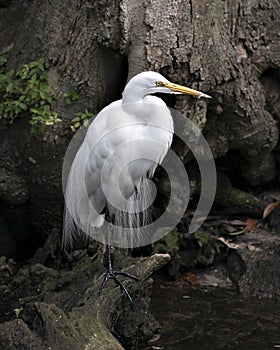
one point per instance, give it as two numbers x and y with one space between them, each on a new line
71 96
3 61
18 311
81 119
202 238
27 91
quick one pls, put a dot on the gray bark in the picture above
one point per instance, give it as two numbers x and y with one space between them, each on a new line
229 49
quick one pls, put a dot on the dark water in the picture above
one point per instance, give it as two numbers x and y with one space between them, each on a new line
213 318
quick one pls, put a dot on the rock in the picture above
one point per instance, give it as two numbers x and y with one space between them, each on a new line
254 266
15 334
86 324
237 200
136 325
7 242
13 189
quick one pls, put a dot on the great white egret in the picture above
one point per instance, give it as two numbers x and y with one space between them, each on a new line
122 148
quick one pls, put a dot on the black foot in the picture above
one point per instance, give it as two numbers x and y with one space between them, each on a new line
111 274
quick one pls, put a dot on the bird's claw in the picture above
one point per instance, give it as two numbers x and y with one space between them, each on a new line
111 274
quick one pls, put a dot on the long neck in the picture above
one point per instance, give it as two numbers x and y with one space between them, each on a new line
133 93
150 110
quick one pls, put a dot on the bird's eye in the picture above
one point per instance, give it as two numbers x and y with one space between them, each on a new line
159 83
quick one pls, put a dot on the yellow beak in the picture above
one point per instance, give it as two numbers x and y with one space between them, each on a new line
182 89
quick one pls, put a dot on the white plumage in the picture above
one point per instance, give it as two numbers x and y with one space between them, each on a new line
122 147
121 150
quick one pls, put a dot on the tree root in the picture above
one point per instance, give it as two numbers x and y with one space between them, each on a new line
87 326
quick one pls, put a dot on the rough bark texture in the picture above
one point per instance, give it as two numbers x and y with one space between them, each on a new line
229 49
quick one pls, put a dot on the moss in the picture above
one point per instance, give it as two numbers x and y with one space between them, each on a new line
170 243
202 238
199 115
44 278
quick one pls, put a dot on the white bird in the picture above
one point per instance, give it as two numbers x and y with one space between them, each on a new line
123 146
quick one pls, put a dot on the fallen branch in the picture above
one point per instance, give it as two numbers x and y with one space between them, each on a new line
89 326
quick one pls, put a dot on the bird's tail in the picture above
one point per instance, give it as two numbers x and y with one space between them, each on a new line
132 220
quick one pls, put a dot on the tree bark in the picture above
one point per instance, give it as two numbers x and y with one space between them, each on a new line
229 49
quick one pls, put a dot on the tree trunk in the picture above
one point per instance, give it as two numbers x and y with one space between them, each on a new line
229 49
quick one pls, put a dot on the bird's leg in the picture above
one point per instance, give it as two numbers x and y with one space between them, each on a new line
111 274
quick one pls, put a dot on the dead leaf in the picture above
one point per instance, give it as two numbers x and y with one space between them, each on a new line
233 227
200 219
154 339
190 277
251 248
251 225
269 209
234 222
227 243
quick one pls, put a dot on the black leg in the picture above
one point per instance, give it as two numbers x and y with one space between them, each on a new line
112 274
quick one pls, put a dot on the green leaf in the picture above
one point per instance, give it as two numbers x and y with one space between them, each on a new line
43 76
23 106
10 87
76 119
34 110
202 238
18 311
27 89
34 77
86 123
32 121
3 59
43 95
41 64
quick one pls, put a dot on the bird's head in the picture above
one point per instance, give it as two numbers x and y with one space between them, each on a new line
149 82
